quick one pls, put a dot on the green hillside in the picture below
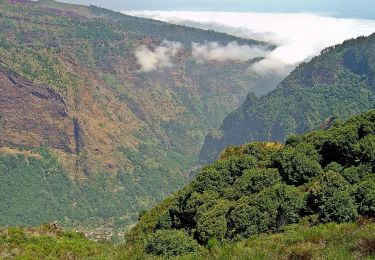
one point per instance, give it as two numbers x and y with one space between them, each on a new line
121 139
312 198
338 83
328 241
315 178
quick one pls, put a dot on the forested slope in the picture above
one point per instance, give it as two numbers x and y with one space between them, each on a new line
70 83
338 83
315 178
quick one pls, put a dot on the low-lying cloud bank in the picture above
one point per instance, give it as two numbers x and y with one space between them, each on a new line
298 36
214 51
161 56
157 58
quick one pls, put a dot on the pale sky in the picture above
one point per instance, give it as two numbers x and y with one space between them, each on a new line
339 8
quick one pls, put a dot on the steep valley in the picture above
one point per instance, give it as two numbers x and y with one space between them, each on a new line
338 83
73 92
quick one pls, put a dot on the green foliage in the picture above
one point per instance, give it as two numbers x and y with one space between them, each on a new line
253 181
296 167
211 220
269 210
328 241
222 174
154 123
365 196
259 188
337 84
324 188
46 197
354 174
47 242
171 243
339 207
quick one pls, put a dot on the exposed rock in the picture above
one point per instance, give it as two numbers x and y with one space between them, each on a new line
33 115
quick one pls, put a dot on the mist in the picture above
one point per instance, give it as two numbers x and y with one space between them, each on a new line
158 57
298 36
214 51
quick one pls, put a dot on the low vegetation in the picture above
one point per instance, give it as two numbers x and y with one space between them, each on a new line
329 241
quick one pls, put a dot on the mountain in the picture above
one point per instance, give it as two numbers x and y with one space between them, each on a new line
323 176
86 135
338 83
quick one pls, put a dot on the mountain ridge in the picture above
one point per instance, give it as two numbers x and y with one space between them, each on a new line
314 91
128 135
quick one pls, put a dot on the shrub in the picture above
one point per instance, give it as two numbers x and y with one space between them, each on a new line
269 210
253 181
211 221
170 243
210 179
296 167
164 221
339 207
365 149
354 174
333 166
223 173
365 196
323 188
245 220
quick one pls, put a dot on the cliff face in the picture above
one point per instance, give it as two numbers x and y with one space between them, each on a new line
33 115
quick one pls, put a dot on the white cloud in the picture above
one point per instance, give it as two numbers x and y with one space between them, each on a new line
158 57
298 36
214 51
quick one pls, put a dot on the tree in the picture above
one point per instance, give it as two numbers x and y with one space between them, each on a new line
271 209
170 243
339 207
211 221
354 174
365 196
253 181
295 166
324 188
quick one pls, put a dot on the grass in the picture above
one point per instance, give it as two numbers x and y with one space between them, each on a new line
328 241
302 242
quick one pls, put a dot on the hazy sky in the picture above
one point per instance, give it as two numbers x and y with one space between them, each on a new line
340 8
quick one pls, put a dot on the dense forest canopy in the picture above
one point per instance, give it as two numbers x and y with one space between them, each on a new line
318 177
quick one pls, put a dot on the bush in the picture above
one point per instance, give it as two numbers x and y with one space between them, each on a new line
339 207
365 149
170 243
253 181
211 221
244 220
333 166
223 173
269 210
365 196
354 174
296 167
323 188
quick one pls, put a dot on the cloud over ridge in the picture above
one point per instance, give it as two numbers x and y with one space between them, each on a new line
213 51
157 58
299 36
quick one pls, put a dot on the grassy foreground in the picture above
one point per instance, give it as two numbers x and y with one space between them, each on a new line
327 241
